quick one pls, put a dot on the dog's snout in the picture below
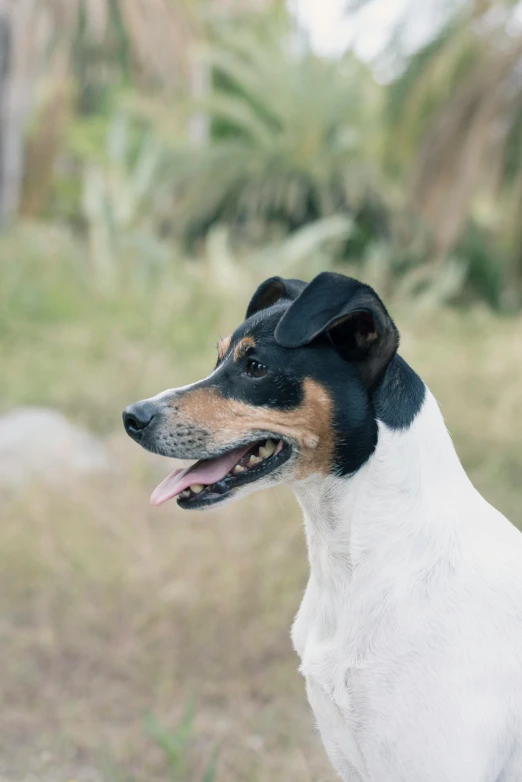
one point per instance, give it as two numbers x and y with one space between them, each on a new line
138 416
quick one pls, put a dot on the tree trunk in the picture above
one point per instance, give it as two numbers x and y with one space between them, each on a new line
19 47
6 45
199 123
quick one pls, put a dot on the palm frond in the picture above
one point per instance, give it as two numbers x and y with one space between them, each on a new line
452 157
296 134
430 75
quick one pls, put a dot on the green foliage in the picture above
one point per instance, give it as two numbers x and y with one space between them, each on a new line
429 76
406 275
51 306
119 200
295 138
454 130
38 287
513 150
487 276
177 745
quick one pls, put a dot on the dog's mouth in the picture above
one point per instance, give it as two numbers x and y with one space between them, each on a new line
208 481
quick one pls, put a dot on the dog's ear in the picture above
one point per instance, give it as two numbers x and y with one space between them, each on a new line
352 315
273 290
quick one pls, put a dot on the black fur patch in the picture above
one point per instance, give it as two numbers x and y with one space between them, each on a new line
399 396
282 388
272 291
396 400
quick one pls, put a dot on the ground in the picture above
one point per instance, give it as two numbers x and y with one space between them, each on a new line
112 611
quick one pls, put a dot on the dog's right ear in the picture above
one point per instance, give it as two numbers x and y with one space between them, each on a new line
273 290
351 315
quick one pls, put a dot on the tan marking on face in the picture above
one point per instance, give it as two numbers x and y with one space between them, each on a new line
310 424
223 346
242 347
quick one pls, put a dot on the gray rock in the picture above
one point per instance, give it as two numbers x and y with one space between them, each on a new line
37 444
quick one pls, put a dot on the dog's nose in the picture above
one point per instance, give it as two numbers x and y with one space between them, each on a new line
138 416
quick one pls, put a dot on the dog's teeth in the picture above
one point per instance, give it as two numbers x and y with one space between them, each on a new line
270 446
197 488
267 449
237 469
185 493
254 460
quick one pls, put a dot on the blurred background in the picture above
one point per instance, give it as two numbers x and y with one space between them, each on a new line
158 159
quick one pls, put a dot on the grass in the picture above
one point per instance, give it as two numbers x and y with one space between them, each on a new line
176 746
112 610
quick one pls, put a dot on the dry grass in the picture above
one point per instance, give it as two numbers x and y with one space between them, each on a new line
111 609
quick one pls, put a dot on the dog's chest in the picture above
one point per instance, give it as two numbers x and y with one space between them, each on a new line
334 684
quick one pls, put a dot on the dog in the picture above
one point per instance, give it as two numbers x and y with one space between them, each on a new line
410 629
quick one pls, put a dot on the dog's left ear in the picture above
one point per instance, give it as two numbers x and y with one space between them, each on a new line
273 290
352 315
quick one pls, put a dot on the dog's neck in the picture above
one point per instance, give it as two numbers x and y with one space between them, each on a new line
398 511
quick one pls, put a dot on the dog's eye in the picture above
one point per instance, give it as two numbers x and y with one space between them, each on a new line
255 369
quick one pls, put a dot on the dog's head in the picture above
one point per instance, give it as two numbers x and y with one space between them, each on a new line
291 395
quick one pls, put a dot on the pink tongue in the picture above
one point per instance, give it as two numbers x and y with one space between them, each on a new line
206 472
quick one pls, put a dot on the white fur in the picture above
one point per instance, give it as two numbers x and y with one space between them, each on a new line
169 393
410 630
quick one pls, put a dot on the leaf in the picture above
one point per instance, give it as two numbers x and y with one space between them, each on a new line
297 135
